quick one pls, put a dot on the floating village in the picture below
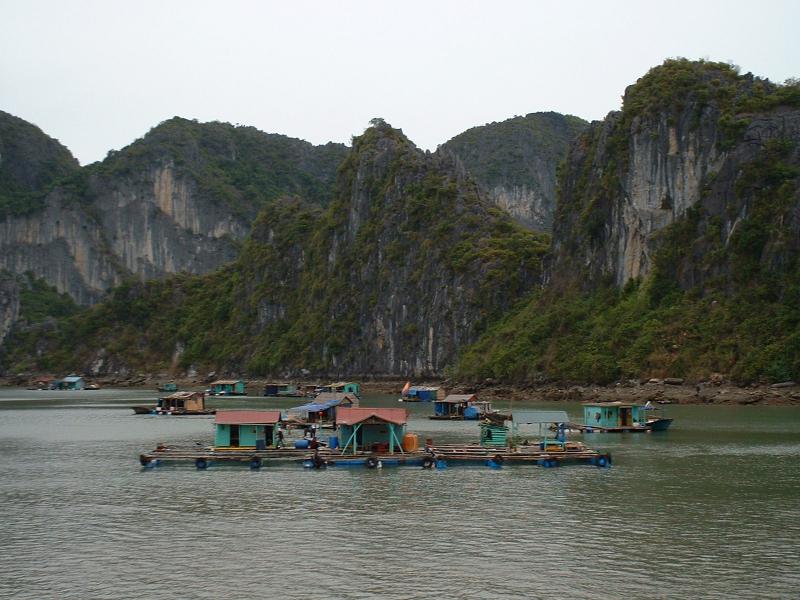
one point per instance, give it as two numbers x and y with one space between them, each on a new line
331 429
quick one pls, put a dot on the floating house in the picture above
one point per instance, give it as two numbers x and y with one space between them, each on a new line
341 387
179 403
227 387
282 389
422 393
619 416
183 403
168 387
256 429
323 408
622 416
70 382
461 407
372 429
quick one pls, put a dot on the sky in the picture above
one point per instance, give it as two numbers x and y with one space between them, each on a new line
96 75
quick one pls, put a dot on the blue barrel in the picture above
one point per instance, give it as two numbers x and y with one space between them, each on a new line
300 444
471 413
333 442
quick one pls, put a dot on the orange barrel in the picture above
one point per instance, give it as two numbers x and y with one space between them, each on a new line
410 442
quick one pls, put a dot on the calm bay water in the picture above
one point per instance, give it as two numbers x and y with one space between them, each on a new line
709 509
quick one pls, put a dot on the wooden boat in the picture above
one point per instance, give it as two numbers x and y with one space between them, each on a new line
659 423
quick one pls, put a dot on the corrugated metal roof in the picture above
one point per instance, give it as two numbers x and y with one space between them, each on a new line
459 398
338 396
72 379
325 401
247 417
352 415
539 416
226 382
423 388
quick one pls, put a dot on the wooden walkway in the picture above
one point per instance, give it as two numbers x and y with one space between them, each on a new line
435 456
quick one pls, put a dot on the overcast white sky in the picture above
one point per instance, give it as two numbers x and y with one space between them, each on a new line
98 74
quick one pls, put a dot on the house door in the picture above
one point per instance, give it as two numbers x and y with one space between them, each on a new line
234 435
268 436
625 417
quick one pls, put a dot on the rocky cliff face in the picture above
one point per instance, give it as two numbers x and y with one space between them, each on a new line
9 305
670 150
515 162
406 266
180 200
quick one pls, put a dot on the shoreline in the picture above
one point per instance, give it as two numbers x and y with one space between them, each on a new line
654 391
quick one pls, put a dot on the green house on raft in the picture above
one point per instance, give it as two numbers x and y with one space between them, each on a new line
341 387
618 417
249 429
227 387
70 382
614 417
373 430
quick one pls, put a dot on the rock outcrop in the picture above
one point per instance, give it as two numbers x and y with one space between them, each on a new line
643 169
181 199
404 268
515 162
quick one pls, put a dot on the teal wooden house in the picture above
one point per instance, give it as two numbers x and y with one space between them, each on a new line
70 382
494 434
423 393
371 429
251 429
341 387
614 415
227 387
281 389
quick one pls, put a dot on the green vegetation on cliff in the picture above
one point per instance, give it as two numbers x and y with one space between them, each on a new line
512 152
31 163
310 283
240 167
723 294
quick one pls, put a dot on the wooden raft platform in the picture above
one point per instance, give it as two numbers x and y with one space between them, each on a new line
434 456
552 455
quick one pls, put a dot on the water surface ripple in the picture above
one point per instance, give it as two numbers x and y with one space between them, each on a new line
707 510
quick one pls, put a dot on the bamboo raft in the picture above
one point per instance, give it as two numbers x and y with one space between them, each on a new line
549 455
439 456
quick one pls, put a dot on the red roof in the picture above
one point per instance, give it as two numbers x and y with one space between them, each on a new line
352 415
247 417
